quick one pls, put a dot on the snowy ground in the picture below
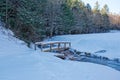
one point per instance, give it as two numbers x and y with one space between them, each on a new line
95 42
17 62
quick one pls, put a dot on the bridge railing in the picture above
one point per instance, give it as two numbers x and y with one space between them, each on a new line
52 45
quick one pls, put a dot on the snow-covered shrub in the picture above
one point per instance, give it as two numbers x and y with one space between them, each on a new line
116 59
78 52
87 54
105 58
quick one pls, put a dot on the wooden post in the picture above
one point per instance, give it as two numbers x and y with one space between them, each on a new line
70 45
58 46
64 45
35 47
41 47
50 47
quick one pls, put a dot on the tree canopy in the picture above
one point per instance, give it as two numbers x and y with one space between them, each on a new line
34 20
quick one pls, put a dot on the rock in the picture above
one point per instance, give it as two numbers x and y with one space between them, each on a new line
101 51
61 56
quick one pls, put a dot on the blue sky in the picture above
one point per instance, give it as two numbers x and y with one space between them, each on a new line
114 5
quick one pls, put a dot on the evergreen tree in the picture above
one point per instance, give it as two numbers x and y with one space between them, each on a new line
96 8
67 17
88 7
105 17
105 9
5 9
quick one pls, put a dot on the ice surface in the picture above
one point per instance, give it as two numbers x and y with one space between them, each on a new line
18 62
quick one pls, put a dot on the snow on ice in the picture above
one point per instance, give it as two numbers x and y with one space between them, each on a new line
18 62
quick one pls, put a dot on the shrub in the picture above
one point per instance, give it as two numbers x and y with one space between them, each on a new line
116 60
78 52
87 54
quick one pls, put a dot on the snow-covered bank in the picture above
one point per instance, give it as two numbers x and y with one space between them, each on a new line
94 42
47 67
17 62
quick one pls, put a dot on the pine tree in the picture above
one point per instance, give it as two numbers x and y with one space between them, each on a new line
67 16
96 8
105 9
4 10
105 17
88 7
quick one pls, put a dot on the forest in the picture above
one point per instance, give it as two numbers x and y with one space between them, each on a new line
35 20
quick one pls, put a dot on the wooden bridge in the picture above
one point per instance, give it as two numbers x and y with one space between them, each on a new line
52 46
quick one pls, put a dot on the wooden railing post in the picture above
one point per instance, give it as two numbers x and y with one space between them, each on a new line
64 45
50 47
70 45
41 47
58 46
35 47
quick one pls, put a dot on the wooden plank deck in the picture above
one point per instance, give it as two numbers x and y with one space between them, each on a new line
53 45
